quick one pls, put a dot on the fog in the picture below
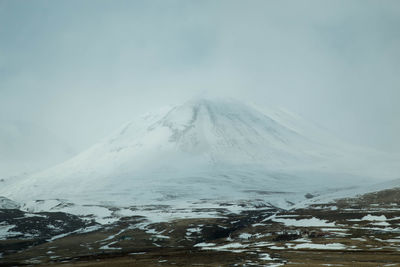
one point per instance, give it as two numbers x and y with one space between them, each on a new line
83 68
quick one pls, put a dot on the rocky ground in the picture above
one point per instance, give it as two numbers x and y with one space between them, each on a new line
362 231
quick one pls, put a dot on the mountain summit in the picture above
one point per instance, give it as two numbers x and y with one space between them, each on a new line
217 149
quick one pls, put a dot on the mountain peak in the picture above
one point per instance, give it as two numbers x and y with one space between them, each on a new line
204 148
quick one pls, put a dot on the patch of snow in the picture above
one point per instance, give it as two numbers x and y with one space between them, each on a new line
110 248
30 215
5 231
370 217
6 203
194 230
313 222
59 236
277 248
302 240
393 240
262 244
191 231
331 246
113 236
381 223
245 236
335 229
234 247
79 231
151 231
204 245
265 257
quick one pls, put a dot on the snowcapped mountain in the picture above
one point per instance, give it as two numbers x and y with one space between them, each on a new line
26 147
218 150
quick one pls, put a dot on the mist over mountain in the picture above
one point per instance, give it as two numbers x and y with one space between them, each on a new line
26 147
216 149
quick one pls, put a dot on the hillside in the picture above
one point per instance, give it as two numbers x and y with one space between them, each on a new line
216 150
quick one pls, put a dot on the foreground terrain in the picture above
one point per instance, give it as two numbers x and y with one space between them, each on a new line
360 231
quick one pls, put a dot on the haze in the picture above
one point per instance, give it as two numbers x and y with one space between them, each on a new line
83 68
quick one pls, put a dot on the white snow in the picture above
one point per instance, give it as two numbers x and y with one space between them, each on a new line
393 240
258 224
59 236
113 236
245 236
6 203
333 246
262 244
334 229
214 150
79 231
370 217
233 247
110 248
312 222
276 247
204 245
265 257
5 231
302 240
191 231
382 223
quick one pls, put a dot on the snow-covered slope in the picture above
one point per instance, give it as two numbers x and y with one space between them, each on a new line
218 150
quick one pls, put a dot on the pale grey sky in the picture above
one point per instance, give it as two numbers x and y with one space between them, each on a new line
83 68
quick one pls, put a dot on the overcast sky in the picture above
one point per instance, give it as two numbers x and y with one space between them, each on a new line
83 68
